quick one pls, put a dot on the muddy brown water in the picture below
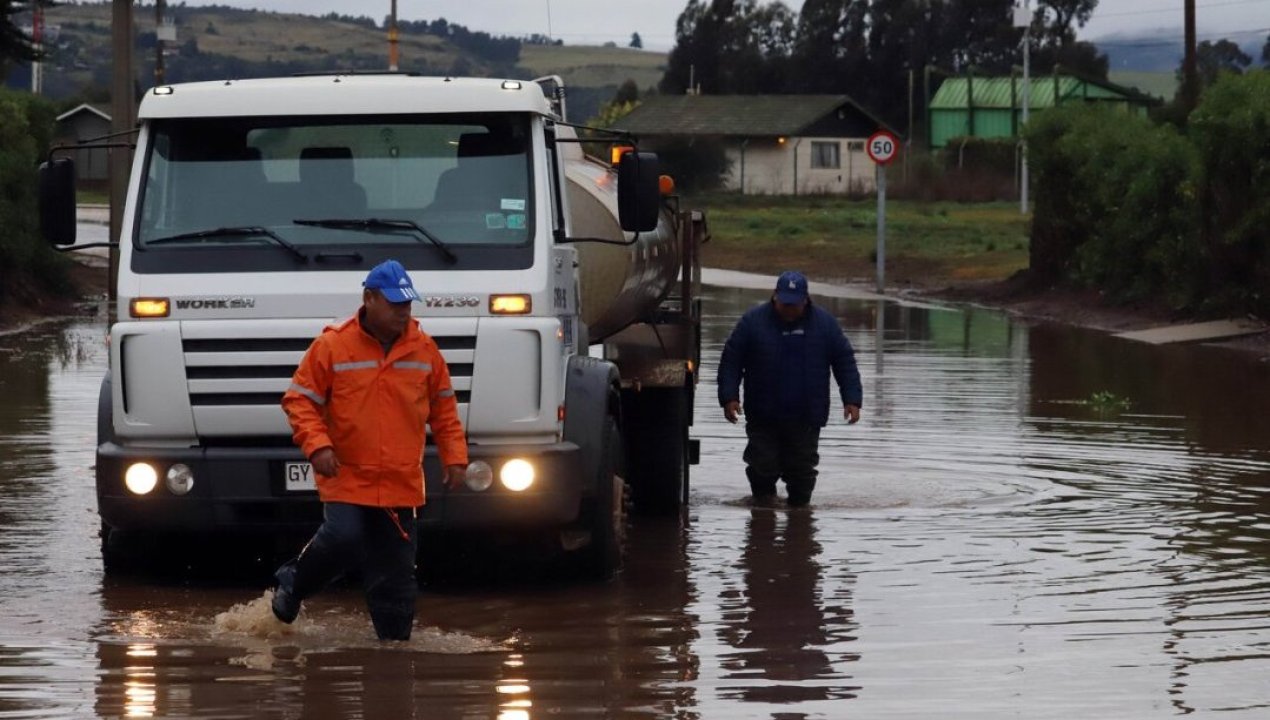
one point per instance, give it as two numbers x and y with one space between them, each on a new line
985 543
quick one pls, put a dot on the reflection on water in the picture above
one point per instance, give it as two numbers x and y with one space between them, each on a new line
985 543
778 621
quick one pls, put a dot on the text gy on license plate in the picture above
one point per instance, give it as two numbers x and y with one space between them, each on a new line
299 477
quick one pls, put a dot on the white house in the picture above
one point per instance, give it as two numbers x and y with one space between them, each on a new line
776 144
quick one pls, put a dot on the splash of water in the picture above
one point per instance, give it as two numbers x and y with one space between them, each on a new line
254 621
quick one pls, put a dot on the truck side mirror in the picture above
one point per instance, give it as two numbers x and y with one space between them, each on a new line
638 192
57 201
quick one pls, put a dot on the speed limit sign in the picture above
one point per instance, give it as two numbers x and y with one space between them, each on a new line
882 147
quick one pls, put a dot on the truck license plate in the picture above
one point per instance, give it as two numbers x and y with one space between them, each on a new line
300 477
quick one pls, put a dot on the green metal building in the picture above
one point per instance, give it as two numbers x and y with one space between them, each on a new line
992 107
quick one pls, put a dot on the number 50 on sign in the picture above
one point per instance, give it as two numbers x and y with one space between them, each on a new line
882 147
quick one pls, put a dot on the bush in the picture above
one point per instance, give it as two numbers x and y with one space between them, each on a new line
27 265
1231 129
1138 209
1060 220
1115 205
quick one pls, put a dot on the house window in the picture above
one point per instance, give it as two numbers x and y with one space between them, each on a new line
825 155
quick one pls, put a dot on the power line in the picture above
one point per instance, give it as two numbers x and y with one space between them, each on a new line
1175 9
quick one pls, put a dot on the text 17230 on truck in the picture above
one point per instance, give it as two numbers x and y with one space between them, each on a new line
561 290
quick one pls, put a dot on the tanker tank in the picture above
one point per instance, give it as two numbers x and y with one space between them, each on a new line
620 284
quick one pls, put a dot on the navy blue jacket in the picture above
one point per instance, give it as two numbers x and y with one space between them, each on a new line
785 366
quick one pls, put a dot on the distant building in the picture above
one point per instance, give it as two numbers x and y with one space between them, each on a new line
777 144
84 123
992 107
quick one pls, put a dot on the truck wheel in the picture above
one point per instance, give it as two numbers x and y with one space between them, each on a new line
657 447
120 554
602 557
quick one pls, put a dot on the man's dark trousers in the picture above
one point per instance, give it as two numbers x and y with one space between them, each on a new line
785 451
358 536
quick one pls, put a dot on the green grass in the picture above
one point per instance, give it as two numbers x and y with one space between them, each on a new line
92 197
835 239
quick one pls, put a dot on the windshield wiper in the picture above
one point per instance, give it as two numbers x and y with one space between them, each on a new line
243 231
383 224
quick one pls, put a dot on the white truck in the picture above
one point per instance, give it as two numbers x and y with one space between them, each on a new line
254 210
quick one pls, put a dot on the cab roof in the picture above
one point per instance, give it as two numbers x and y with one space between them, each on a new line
390 94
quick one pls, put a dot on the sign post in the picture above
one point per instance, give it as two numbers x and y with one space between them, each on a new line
882 147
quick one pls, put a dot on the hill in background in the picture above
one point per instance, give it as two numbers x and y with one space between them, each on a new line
1161 51
216 42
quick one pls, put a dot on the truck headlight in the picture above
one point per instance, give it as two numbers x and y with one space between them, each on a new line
479 476
141 478
517 474
180 479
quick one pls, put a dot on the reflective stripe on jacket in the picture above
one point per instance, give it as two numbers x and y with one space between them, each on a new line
371 409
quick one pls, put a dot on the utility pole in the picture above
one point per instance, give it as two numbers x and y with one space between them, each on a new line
1024 19
123 116
392 38
1190 79
158 42
908 136
37 39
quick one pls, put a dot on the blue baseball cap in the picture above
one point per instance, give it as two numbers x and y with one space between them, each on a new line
791 288
390 279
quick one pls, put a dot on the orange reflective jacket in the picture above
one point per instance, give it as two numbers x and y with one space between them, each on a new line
371 408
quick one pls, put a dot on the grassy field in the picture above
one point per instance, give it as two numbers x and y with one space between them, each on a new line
1160 84
834 239
595 66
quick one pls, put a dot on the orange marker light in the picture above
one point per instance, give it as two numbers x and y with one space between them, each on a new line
149 307
617 151
510 304
666 184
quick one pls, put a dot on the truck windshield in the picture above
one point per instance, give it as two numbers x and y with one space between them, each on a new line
465 178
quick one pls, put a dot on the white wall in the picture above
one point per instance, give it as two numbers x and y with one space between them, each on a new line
769 168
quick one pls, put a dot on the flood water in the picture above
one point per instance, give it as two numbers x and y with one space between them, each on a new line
985 543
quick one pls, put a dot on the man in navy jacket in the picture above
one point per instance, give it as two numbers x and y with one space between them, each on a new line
783 352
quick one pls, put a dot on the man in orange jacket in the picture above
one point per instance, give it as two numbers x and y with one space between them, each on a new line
358 404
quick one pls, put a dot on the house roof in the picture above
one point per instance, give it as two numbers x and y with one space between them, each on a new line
738 115
85 107
1046 92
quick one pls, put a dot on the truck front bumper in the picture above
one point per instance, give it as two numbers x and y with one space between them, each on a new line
242 489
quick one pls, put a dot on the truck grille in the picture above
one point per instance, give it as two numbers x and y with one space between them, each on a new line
257 371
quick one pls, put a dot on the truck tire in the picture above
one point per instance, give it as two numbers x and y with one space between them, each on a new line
657 449
122 554
607 517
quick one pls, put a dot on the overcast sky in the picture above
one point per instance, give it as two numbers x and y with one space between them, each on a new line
579 22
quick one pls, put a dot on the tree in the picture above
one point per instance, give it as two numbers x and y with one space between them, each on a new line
1265 53
1212 59
636 41
15 45
831 45
627 92
1064 13
730 46
980 34
694 61
1056 30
